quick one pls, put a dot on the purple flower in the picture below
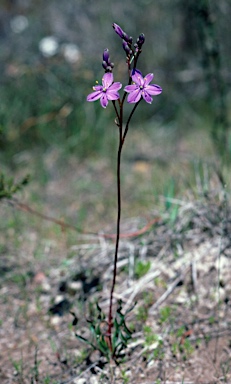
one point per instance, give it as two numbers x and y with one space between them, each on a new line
105 92
142 88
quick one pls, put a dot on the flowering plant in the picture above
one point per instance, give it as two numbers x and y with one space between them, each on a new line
138 88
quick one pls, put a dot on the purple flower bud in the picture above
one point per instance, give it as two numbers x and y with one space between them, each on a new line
107 65
130 40
140 41
106 55
118 30
125 45
142 38
121 33
126 48
104 64
127 38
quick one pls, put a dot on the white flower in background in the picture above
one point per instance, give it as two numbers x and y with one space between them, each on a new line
19 23
71 53
48 46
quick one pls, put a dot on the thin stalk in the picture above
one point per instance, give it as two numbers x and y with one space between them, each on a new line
129 119
116 111
121 142
110 323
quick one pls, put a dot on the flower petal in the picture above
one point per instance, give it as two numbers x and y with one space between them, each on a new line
131 88
104 100
112 95
137 77
135 70
94 96
98 88
134 96
146 97
107 80
115 87
148 78
153 89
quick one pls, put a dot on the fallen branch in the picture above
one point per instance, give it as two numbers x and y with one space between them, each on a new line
26 208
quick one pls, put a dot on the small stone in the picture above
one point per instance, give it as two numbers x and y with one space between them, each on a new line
80 381
93 380
74 287
55 320
58 299
45 287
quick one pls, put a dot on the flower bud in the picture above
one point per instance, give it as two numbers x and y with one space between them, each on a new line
140 41
121 33
106 55
118 30
130 40
126 48
107 65
104 64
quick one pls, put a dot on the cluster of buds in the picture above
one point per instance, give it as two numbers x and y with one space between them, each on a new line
107 64
127 41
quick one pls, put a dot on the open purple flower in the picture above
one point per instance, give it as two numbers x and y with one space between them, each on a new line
105 92
142 88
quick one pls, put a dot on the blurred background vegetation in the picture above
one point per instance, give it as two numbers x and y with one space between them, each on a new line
51 53
183 38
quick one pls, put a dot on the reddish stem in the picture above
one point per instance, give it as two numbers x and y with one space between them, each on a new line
110 317
122 136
